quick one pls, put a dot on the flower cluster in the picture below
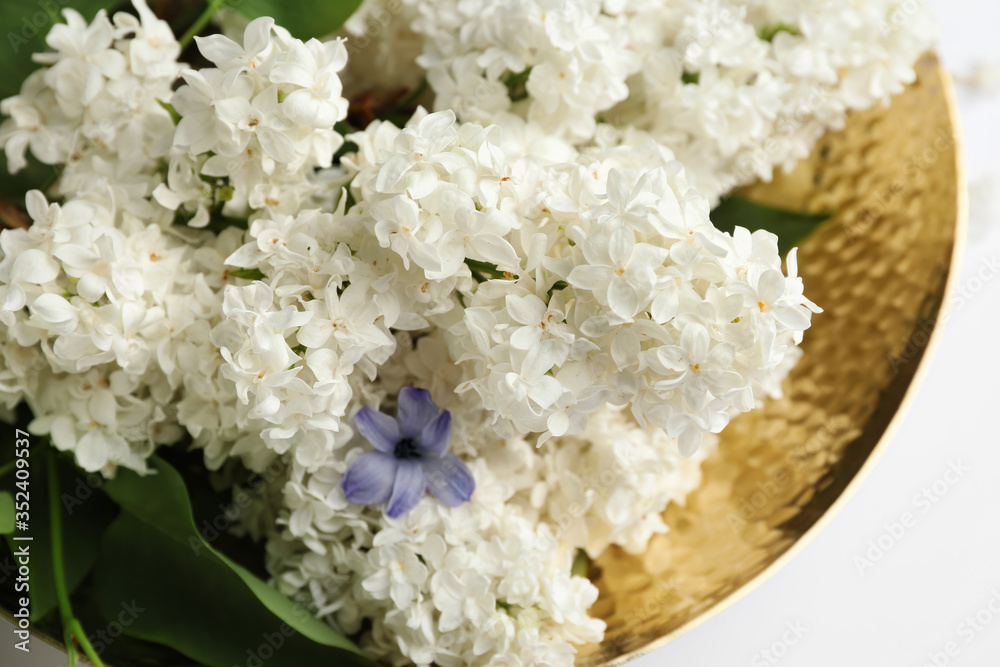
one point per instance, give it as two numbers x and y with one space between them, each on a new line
448 586
568 61
486 579
108 308
94 109
733 88
609 283
616 492
254 128
563 287
98 311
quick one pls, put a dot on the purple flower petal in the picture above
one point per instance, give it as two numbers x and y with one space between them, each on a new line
379 429
408 488
415 411
449 479
435 436
370 479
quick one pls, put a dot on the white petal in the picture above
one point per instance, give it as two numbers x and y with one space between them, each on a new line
495 250
592 278
276 144
53 308
525 309
620 246
695 340
665 304
218 48
771 286
625 349
257 35
33 266
622 298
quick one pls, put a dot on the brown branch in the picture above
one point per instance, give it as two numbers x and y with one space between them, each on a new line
12 217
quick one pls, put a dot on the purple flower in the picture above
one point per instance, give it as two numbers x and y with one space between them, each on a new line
411 456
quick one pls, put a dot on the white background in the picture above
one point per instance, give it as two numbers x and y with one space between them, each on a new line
909 605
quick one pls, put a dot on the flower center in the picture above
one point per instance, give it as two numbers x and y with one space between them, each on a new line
407 449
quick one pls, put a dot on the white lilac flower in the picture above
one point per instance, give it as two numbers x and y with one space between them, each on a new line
411 457
95 106
263 117
489 577
312 69
439 585
563 286
257 51
569 59
87 288
735 89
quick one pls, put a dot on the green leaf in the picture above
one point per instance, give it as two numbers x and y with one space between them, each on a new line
220 222
23 26
483 271
557 286
209 608
581 563
6 513
517 85
85 515
768 32
790 226
303 18
169 108
248 274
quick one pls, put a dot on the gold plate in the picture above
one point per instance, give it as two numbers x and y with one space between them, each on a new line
880 269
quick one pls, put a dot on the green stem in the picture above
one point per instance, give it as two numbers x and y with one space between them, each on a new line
58 573
72 629
7 467
85 644
200 22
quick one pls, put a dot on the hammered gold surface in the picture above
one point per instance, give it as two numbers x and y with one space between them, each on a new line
879 269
